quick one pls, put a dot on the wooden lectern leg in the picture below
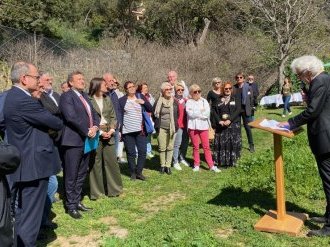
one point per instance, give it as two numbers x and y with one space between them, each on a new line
280 220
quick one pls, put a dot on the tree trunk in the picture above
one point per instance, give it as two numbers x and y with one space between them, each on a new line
205 30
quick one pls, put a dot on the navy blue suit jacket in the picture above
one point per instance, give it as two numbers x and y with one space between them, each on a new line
27 124
76 119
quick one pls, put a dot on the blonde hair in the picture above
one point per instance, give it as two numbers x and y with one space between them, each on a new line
216 80
177 85
193 88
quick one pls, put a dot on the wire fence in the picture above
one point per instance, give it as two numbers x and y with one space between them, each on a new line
51 55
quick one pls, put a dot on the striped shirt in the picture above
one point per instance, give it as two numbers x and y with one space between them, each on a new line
132 117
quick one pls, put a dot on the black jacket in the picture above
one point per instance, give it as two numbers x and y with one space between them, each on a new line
316 115
234 112
9 161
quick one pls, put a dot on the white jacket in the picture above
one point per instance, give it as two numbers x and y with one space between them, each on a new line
198 112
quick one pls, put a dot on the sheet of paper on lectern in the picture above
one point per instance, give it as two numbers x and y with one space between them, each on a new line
273 124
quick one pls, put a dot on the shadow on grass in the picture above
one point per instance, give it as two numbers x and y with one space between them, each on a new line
258 200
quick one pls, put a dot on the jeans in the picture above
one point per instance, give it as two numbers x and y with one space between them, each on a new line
119 145
149 147
286 101
203 136
50 198
140 141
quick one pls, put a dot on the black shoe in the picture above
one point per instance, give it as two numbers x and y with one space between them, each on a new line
323 232
141 177
133 176
82 207
168 170
319 220
162 170
74 214
251 148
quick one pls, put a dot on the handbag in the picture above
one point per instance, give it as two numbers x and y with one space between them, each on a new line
211 133
148 125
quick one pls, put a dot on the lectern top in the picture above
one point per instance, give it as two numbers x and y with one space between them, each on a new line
289 133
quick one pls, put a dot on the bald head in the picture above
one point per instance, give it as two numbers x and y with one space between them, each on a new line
172 77
109 80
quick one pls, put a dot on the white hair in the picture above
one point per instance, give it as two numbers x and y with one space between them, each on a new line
164 85
307 63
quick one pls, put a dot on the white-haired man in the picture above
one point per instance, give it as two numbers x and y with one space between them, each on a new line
317 117
172 77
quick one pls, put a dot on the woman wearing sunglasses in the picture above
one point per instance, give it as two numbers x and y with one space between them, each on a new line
198 112
228 141
166 125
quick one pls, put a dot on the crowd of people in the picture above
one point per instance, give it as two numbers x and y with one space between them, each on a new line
50 131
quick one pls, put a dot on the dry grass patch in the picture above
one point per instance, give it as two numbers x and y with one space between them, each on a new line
94 238
162 202
224 233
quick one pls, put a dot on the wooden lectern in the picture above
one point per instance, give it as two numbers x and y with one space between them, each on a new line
280 220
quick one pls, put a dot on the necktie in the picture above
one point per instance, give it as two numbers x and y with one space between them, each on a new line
88 110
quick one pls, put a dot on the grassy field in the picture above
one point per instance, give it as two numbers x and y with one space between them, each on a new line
202 209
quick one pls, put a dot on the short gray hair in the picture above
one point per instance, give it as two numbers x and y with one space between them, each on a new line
17 70
164 85
307 63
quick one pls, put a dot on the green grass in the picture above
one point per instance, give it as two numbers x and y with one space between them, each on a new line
206 209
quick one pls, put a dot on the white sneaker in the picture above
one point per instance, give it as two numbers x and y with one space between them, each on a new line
215 169
290 112
121 160
196 169
283 115
150 156
184 162
177 167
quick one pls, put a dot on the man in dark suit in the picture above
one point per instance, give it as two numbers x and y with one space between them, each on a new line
27 124
244 90
81 122
9 161
50 100
317 117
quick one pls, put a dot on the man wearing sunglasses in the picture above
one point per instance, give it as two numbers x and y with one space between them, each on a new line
246 92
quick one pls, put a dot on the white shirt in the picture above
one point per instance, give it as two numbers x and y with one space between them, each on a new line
198 112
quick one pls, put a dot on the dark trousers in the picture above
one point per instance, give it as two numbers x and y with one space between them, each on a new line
323 164
75 171
132 140
246 120
184 144
29 204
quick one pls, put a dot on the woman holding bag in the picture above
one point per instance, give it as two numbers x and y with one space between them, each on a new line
132 128
166 125
104 168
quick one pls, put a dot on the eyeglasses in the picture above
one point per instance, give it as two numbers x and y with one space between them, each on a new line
227 88
168 89
180 90
250 79
239 77
37 77
197 91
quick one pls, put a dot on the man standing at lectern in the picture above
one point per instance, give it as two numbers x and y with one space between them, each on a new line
310 70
